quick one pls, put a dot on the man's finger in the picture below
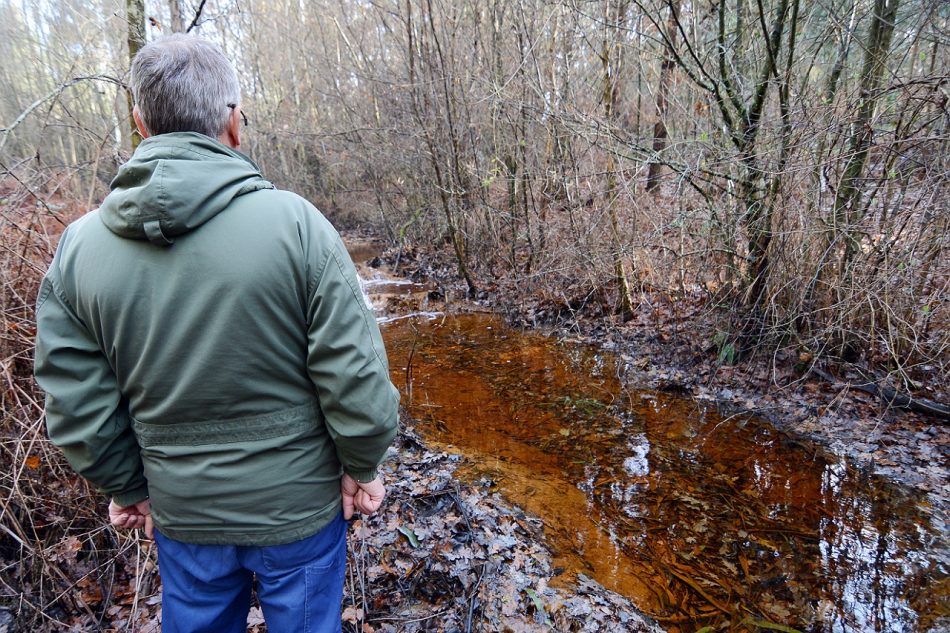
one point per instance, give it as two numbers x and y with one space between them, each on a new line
348 504
358 502
366 503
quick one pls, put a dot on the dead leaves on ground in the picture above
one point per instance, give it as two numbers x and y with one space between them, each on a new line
451 557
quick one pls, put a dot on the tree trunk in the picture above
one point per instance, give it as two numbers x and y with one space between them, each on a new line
662 98
135 13
612 59
756 215
177 22
762 235
826 239
848 201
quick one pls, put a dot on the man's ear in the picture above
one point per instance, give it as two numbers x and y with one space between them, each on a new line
231 136
137 116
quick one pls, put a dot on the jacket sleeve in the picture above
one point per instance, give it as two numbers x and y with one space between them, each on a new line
86 415
348 367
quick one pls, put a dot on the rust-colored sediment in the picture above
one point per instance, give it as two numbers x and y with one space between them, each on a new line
699 519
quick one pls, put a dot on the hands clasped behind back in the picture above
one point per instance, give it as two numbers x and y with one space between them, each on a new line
364 498
361 497
134 516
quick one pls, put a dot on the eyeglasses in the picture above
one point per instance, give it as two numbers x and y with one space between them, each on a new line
243 116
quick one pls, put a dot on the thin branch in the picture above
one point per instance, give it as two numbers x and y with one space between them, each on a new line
194 22
53 94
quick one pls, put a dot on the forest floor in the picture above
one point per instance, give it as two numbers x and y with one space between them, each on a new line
440 555
446 555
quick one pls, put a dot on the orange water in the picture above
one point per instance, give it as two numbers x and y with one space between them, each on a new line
701 520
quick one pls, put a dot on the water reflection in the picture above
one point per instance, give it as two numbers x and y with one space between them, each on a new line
702 520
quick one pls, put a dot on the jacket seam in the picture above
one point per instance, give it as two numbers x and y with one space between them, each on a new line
46 288
162 196
314 280
52 276
358 297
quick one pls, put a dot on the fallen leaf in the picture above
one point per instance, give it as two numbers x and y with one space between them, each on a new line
352 614
255 616
410 535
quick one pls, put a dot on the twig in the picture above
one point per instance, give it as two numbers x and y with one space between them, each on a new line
198 11
408 620
889 396
472 600
139 576
51 95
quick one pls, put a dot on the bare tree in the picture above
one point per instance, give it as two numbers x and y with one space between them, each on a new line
663 96
135 14
615 16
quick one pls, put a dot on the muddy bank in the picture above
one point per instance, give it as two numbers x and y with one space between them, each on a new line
847 552
448 556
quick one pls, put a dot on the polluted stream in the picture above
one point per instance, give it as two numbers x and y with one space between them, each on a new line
702 520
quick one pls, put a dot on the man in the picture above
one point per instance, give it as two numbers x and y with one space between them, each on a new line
211 365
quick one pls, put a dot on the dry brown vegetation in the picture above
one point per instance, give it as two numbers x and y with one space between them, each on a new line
779 167
785 161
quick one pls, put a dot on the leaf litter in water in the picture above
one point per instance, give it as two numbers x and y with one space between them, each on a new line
702 520
482 561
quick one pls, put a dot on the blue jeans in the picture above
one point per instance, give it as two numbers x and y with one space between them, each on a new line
207 588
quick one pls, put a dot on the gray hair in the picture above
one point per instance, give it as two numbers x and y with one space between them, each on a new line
182 83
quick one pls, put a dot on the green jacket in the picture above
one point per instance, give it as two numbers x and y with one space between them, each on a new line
203 341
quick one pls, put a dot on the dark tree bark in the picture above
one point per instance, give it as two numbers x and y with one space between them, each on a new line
848 201
612 61
660 132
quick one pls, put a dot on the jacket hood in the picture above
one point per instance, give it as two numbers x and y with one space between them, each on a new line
173 184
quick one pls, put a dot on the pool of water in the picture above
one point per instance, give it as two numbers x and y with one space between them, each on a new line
702 520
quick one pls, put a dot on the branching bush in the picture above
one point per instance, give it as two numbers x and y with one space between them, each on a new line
60 567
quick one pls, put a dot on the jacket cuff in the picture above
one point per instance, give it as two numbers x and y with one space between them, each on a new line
362 476
132 497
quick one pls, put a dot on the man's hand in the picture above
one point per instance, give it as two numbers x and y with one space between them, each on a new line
364 498
131 517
